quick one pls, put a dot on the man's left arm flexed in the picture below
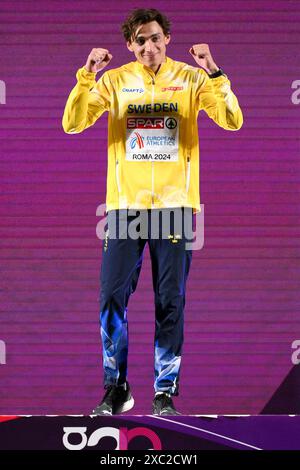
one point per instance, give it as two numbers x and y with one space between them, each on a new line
213 91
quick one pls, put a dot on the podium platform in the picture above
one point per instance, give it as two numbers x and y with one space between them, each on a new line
134 432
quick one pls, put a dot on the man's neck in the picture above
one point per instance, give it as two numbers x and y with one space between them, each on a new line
156 69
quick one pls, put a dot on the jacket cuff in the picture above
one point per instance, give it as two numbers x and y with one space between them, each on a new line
216 74
86 78
219 80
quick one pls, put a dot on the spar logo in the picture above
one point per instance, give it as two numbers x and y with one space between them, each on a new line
145 123
151 123
171 123
122 437
136 141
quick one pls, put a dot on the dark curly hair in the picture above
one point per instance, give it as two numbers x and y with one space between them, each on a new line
142 16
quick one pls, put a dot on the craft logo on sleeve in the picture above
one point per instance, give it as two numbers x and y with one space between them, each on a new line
2 92
133 90
2 352
295 97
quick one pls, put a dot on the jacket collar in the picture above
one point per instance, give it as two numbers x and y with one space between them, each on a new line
149 72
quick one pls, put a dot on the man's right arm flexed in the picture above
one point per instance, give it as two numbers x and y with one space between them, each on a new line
88 100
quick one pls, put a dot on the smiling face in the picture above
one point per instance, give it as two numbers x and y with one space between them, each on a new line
149 45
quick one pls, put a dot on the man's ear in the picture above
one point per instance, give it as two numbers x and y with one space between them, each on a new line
167 39
129 46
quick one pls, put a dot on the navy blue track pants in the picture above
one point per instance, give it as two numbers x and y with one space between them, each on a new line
122 256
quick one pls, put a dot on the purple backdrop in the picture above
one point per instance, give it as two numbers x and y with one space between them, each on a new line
242 310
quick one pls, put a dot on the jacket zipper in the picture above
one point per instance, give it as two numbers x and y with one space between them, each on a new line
152 163
117 176
188 174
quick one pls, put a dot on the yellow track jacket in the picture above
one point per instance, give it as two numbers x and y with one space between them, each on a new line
153 149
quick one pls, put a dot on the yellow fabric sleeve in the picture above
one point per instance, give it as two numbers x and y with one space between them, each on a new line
215 97
86 102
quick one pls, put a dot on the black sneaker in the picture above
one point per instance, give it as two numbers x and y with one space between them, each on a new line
116 400
163 405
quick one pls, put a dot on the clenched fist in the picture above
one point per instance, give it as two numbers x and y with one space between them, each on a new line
203 57
97 60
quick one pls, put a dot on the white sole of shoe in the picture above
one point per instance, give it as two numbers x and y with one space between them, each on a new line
166 413
126 406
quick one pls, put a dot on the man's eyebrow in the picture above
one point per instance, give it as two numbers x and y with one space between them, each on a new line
141 36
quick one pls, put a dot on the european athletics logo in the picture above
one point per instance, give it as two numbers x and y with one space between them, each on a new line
137 140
